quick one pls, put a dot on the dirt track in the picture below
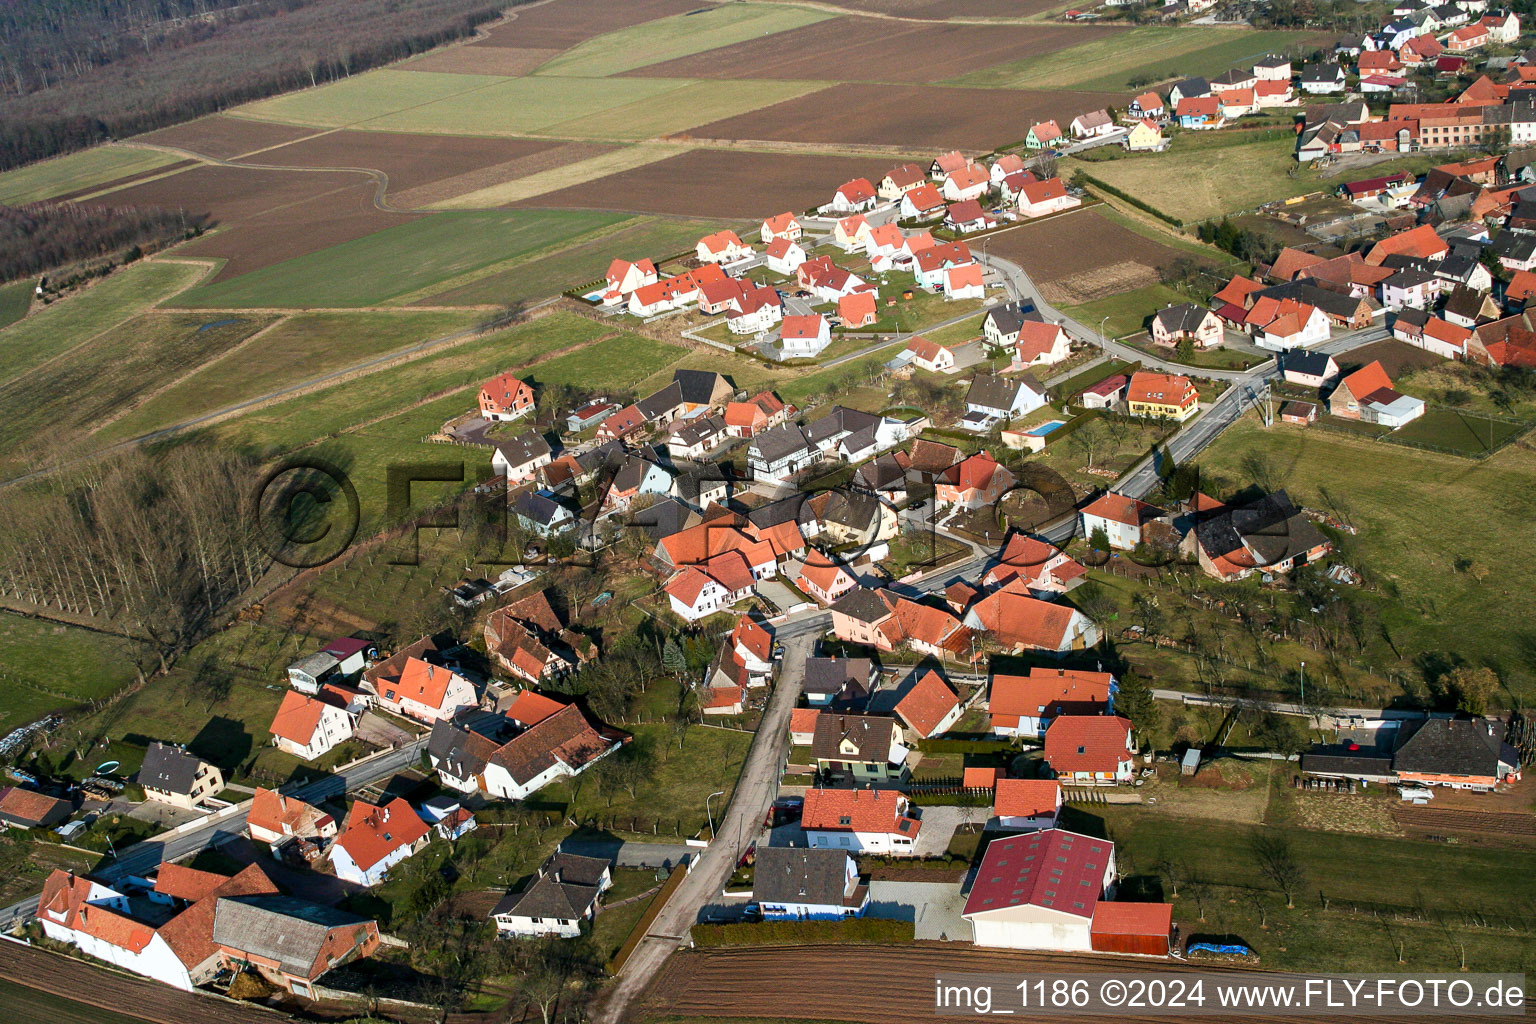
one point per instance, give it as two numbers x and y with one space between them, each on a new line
886 984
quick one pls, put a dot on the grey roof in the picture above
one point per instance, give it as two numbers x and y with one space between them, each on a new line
460 751
841 420
1322 73
539 508
632 472
790 874
693 485
863 604
860 440
1412 316
700 430
1271 527
286 929
1192 87
1456 268
1335 759
1008 317
315 665
566 888
1232 77
881 474
853 509
1185 317
1314 364
665 518
169 768
661 402
524 448
784 510
990 391
1465 302
833 675
1272 62
1410 277
1450 746
700 387
871 737
779 442
595 459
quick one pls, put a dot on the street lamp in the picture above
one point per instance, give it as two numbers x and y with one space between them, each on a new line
718 792
1303 687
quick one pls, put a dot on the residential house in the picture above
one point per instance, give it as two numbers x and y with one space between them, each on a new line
1040 198
561 746
1457 753
823 580
1002 323
1188 88
1145 137
929 707
1044 568
833 680
23 808
992 398
978 480
519 458
857 310
922 203
1026 805
784 255
1309 369
1445 339
1005 166
289 942
505 397
784 225
900 180
930 356
930 264
1092 124
758 413
1468 38
590 414
779 453
968 216
1147 105
696 593
1367 394
426 692
703 390
1273 69
756 310
797 884
803 337
1283 324
865 748
964 282
853 196
872 821
968 182
309 726
1421 242
1019 622
1040 891
375 839
1042 135
1106 394
1090 750
1269 535
562 894
1122 518
1161 396
171 775
1039 343
1173 324
1199 113
849 233
1322 79
1237 103
1026 705
627 422
543 514
275 819
943 164
625 277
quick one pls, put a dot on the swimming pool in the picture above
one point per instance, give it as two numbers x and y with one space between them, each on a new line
1042 429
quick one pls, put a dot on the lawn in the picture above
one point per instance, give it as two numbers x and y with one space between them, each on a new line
15 300
1464 432
924 308
1128 312
1110 62
94 166
695 103
50 667
678 36
837 378
1426 523
1219 358
1092 375
74 320
400 260
299 348
539 275
1195 183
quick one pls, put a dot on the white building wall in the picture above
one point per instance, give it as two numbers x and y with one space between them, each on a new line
1057 933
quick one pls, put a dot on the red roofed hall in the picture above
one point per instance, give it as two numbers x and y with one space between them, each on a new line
1040 891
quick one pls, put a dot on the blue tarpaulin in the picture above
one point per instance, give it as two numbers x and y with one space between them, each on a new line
1211 947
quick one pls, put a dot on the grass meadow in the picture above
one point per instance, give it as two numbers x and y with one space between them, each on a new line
47 667
397 261
48 178
15 300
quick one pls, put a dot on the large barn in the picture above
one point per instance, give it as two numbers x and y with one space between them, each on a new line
1039 891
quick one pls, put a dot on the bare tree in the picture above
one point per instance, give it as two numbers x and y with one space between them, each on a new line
1271 849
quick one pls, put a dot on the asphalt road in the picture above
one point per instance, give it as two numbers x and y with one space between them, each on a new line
756 789
147 855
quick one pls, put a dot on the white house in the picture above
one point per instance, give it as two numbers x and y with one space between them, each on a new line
1040 891
521 457
853 196
95 919
721 247
694 594
859 821
375 839
992 397
964 282
804 337
425 691
1090 750
785 225
1025 705
799 884
929 707
1120 516
1039 198
562 895
307 727
1092 124
561 746
1039 344
849 233
968 182
784 255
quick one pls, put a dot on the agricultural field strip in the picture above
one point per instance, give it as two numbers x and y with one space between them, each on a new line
71 173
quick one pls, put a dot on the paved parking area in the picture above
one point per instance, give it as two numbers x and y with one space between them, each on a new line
933 908
939 824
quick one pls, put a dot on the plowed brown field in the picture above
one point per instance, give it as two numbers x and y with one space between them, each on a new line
873 50
223 137
1070 248
926 117
887 984
718 183
940 9
408 160
565 23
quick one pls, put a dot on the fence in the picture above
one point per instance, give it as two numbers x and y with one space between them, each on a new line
1394 437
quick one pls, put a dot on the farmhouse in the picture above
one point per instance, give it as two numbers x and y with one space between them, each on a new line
27 808
875 821
288 941
1269 534
1019 622
1457 753
1090 750
1040 891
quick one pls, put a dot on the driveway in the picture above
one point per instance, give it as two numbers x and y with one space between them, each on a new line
631 854
933 908
778 594
939 824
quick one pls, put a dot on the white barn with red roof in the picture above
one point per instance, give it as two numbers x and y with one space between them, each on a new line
1040 891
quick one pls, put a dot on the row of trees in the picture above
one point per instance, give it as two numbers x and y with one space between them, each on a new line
41 237
66 94
160 546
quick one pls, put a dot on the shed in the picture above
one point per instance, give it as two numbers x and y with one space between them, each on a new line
1190 762
1145 929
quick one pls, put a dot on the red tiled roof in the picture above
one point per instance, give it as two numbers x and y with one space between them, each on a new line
298 716
374 832
1087 743
1036 338
925 197
926 704
1026 798
1050 692
801 326
531 708
1133 919
1420 241
981 778
1036 192
424 682
857 190
1370 377
858 810
1054 869
1121 508
1160 388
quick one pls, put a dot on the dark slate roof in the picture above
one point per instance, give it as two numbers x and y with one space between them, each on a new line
1413 317
524 448
539 508
1185 317
698 387
1322 73
632 473
795 874
1008 317
1232 77
1272 62
1271 526
871 737
1337 760
661 402
1464 302
879 474
285 929
853 509
779 442
692 485
461 751
1449 746
1192 87
785 510
169 768
665 518
990 391
1456 268
566 887
841 420
701 429
1410 277
833 675
1312 363
863 604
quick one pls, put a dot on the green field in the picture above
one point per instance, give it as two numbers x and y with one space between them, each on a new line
80 317
695 103
299 348
1420 516
1458 431
540 276
1127 312
15 300
48 667
94 166
363 97
1110 62
400 260
93 381
652 42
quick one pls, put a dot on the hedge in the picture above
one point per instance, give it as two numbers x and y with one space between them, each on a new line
964 746
804 933
950 799
1085 177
